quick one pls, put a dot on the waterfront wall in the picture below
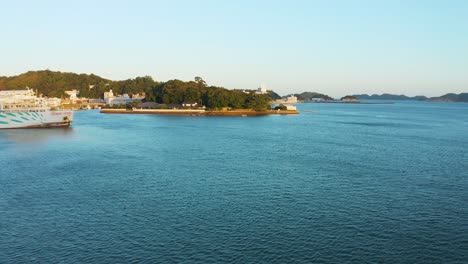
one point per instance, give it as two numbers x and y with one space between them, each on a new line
244 112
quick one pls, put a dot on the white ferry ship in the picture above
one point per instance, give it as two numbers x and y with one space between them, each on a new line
23 109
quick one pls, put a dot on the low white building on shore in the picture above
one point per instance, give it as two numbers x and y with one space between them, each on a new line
111 99
189 104
290 107
291 99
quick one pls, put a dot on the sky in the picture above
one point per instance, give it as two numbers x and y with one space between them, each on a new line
412 47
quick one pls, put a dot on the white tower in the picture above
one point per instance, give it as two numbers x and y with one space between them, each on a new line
262 89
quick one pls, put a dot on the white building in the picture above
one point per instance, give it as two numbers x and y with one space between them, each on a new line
11 96
108 95
262 90
287 100
291 99
111 99
73 95
317 99
290 107
189 104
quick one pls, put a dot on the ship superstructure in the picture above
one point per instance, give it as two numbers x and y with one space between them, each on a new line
23 109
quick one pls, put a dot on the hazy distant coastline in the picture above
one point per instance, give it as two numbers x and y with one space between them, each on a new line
450 97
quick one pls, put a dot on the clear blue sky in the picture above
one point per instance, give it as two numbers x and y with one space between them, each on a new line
335 47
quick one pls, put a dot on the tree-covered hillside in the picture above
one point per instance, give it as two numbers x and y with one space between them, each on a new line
177 92
54 84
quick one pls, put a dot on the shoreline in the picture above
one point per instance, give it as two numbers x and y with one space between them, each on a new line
197 112
340 102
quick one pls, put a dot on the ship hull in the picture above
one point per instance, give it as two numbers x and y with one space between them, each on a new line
46 119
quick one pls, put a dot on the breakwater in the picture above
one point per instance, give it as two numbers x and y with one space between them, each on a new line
199 112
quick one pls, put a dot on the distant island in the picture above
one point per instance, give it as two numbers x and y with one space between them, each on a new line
349 98
311 96
451 97
386 96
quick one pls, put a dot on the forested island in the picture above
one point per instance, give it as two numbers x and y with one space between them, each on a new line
386 96
310 96
450 97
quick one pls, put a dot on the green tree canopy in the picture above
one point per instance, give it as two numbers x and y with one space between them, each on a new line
54 84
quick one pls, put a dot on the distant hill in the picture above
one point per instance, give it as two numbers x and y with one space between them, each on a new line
308 96
450 97
390 97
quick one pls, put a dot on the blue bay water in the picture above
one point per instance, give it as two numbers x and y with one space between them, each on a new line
337 183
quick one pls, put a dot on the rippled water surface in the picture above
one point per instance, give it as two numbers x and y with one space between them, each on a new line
337 183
